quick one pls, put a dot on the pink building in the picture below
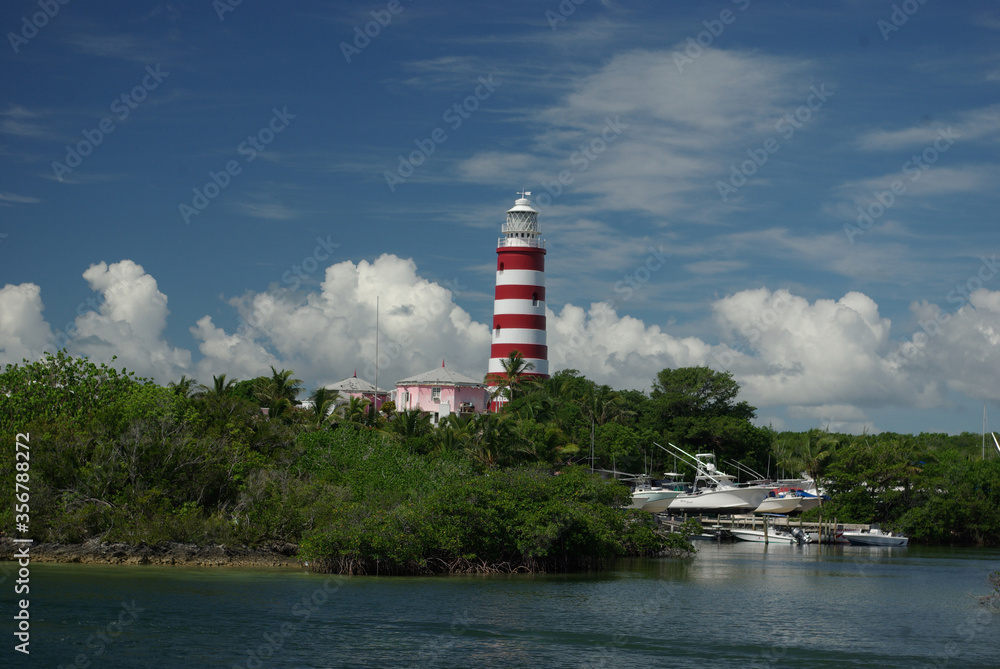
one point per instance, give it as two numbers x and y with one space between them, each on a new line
441 392
352 386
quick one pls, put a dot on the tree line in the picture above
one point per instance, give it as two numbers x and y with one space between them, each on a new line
119 458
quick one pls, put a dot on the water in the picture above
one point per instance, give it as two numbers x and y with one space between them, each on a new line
733 605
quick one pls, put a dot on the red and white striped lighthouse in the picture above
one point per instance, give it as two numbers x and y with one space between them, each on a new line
519 304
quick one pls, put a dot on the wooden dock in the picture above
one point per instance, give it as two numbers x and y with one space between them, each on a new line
717 527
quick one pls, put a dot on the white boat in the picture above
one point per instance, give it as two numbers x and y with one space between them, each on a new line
653 498
787 500
715 491
774 536
784 503
875 537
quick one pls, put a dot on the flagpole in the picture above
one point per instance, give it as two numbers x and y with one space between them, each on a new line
375 395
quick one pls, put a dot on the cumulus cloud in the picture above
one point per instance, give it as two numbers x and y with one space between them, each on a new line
620 351
23 330
788 351
129 323
331 333
956 349
828 362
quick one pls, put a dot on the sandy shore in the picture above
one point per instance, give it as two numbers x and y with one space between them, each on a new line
96 552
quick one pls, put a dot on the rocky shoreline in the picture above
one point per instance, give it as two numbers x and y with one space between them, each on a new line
172 553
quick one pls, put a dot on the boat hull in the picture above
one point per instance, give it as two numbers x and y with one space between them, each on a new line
660 504
715 501
758 537
778 505
873 539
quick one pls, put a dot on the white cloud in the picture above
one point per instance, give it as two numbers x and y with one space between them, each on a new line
620 351
325 336
977 124
957 349
679 129
788 351
23 330
129 323
828 362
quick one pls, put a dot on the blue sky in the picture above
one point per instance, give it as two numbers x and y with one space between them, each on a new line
801 193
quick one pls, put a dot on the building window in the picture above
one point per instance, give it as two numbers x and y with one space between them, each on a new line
406 399
435 394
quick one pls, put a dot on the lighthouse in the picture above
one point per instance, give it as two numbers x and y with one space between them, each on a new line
519 302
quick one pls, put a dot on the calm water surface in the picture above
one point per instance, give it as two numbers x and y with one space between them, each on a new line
733 605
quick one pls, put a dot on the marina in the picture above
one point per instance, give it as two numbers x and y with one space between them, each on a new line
729 527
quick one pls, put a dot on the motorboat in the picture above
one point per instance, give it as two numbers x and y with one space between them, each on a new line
874 537
653 498
785 499
773 536
715 491
783 502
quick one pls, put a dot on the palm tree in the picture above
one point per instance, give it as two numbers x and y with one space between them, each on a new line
184 387
491 439
514 368
810 454
454 433
220 387
323 401
279 392
411 424
355 411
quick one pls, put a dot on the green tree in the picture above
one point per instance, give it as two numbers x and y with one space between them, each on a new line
185 387
221 387
323 401
696 407
279 392
511 379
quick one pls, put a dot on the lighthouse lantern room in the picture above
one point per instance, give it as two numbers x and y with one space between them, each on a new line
519 303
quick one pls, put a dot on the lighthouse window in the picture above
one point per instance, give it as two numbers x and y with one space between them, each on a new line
501 267
534 299
496 330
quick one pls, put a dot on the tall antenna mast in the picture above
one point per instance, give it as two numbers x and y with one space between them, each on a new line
375 393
